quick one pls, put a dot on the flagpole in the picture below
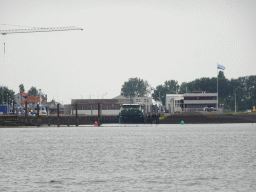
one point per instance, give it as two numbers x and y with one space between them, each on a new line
217 89
222 68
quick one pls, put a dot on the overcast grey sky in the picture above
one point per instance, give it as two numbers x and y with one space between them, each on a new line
155 40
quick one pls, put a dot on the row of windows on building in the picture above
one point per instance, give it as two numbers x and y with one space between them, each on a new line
179 103
95 106
139 100
201 98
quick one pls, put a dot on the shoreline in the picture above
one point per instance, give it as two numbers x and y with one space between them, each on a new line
208 118
187 118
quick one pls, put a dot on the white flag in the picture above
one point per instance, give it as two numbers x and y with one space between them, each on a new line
221 67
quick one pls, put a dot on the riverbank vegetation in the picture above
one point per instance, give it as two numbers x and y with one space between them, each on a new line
241 91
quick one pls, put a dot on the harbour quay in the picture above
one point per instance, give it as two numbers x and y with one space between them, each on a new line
211 118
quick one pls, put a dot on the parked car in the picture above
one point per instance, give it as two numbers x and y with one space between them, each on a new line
210 109
214 109
205 109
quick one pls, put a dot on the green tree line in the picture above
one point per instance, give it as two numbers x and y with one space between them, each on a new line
242 89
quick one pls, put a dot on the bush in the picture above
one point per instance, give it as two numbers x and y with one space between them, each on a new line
160 118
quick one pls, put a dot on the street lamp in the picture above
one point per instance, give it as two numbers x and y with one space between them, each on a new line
235 102
7 102
222 106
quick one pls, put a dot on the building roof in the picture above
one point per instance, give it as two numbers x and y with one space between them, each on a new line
120 97
200 94
32 99
23 94
42 98
199 91
94 101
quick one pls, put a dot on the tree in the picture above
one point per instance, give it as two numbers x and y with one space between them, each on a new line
239 98
134 87
169 87
22 89
159 94
224 88
6 95
253 98
251 84
202 84
183 88
32 91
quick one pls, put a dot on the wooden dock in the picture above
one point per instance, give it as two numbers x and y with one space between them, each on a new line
65 120
54 120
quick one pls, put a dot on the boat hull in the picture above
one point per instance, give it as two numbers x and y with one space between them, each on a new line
131 119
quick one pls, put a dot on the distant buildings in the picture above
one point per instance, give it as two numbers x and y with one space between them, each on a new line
108 106
20 98
195 101
32 101
144 101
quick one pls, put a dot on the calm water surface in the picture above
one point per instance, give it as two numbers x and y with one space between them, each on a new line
216 157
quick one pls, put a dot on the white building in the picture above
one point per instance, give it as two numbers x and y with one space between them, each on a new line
195 101
174 102
146 102
200 99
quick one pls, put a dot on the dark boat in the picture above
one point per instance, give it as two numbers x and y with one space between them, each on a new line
131 113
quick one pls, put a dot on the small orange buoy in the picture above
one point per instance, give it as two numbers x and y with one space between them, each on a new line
96 123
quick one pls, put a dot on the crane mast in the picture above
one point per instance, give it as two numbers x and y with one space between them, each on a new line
35 30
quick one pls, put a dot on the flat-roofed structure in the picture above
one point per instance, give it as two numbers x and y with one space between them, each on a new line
200 99
195 101
90 106
146 102
107 106
174 102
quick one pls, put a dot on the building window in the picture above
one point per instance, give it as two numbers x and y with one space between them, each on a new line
201 98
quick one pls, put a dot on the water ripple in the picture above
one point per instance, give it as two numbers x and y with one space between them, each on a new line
132 158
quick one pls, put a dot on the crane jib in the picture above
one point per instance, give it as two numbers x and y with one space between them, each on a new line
34 30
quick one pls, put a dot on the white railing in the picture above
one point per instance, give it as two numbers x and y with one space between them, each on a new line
214 110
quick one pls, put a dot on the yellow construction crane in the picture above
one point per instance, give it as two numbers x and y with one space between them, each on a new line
35 30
